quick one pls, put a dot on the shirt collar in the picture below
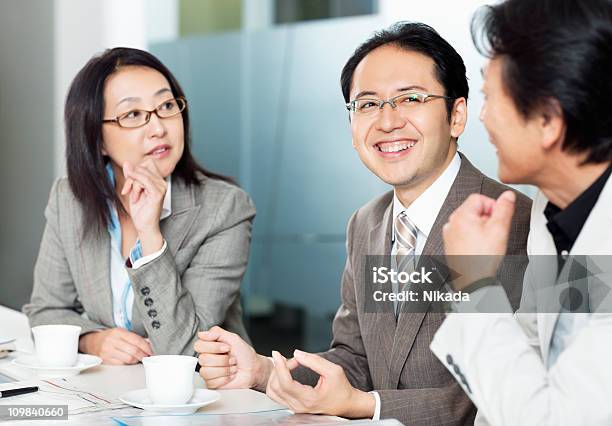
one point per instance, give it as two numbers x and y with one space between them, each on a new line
167 203
565 225
424 210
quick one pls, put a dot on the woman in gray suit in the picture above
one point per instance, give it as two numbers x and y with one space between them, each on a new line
142 247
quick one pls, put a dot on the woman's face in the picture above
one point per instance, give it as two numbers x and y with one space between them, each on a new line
162 140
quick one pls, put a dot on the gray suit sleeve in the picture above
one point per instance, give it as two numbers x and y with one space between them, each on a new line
201 297
54 297
347 349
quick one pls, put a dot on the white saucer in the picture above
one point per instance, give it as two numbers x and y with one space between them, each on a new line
6 340
140 399
83 363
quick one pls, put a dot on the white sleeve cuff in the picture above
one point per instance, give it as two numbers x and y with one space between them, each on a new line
146 259
488 299
377 409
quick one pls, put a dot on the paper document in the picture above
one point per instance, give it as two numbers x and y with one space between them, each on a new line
60 392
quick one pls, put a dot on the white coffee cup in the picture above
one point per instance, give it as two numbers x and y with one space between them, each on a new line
170 378
57 345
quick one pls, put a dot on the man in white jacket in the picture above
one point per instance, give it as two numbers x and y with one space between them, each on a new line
547 111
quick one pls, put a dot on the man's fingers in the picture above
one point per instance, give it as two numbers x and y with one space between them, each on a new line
504 209
212 360
292 364
213 334
476 205
282 372
288 386
316 363
202 346
274 392
208 373
218 382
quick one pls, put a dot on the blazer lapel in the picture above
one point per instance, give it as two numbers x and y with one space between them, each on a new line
95 258
468 181
384 318
185 208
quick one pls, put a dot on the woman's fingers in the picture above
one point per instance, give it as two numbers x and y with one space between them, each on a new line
137 341
127 186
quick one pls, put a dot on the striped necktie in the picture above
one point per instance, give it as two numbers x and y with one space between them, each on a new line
405 240
405 237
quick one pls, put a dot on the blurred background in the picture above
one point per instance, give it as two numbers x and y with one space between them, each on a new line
262 80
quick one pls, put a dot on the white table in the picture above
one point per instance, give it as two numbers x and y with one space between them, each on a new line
113 381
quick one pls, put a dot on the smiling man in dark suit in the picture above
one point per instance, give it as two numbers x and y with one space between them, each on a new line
406 92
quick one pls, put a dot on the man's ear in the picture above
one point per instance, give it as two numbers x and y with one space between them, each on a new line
550 123
459 115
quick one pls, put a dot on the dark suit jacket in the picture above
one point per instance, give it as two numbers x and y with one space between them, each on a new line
393 357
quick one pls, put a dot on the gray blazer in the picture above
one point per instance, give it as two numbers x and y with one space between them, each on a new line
193 285
393 358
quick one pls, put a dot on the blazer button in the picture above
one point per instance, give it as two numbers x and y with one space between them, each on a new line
145 291
155 324
449 359
152 313
148 301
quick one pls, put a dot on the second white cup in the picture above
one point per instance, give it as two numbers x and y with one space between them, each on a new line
169 378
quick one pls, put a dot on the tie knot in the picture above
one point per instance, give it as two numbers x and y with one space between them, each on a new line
405 231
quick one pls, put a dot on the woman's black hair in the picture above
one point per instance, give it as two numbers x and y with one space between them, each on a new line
83 115
556 55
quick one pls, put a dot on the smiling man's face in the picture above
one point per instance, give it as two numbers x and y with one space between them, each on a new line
407 147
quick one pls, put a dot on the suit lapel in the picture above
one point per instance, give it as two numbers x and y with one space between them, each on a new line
95 258
468 181
384 318
185 208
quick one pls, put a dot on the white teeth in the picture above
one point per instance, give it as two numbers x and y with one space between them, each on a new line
159 151
396 146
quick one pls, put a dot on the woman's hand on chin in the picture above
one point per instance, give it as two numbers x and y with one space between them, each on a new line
146 189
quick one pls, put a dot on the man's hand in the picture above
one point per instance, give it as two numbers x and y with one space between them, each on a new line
116 346
333 394
478 228
228 362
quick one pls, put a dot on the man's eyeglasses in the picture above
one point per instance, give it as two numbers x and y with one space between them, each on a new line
140 117
405 102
